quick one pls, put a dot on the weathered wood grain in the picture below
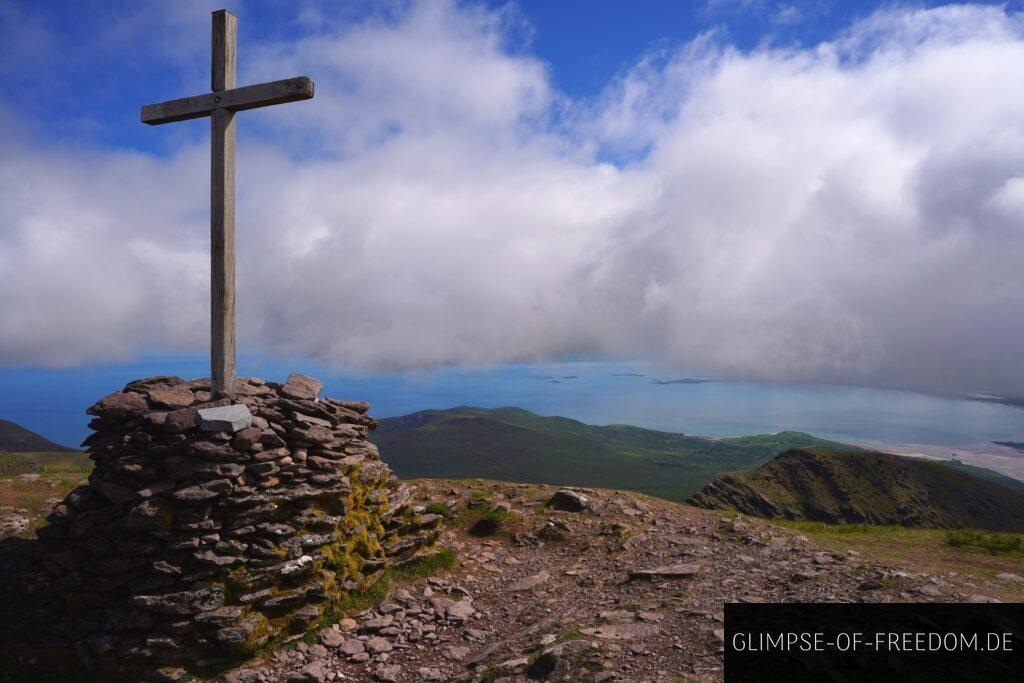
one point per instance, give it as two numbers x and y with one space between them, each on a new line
222 251
225 51
237 99
222 208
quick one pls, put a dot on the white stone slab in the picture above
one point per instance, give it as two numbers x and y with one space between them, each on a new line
231 419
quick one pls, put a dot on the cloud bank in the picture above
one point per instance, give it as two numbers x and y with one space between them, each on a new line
851 211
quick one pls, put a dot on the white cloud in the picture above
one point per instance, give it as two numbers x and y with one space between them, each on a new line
851 211
788 15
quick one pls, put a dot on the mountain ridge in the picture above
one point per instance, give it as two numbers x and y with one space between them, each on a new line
866 488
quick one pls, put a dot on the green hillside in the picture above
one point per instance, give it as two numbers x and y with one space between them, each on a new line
512 444
16 439
866 488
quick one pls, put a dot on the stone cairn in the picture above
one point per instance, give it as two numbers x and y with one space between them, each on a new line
210 527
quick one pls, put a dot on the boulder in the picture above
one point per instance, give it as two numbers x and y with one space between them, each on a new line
569 501
12 523
388 673
171 397
314 672
119 405
529 583
178 421
622 631
184 602
461 610
351 646
332 638
377 645
302 387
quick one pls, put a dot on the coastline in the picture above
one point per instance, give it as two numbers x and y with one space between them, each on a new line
1002 459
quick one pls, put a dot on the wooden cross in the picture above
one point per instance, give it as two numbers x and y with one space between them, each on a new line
220 106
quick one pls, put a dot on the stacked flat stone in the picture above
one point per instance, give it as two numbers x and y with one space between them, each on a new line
211 526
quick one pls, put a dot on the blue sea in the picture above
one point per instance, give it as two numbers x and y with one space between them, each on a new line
52 401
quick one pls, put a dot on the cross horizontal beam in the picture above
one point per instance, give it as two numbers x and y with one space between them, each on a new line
236 99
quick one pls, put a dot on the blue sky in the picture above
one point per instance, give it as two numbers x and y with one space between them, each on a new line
78 71
796 191
588 43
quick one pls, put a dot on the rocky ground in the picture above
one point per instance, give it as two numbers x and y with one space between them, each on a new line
613 587
25 498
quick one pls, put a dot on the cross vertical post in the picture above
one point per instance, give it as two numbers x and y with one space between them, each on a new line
221 105
222 208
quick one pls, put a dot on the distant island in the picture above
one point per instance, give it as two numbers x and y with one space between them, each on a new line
682 380
1014 401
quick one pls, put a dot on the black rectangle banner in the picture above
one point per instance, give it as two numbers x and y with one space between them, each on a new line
874 642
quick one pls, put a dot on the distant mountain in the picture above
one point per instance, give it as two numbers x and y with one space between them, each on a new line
512 444
866 487
16 439
1015 401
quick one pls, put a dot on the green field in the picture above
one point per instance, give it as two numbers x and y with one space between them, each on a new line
44 463
511 444
33 482
936 551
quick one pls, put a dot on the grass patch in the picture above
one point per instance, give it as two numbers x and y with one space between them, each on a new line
847 529
478 498
995 542
360 601
34 495
489 522
569 634
935 551
12 464
427 565
62 462
15 463
355 602
437 509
